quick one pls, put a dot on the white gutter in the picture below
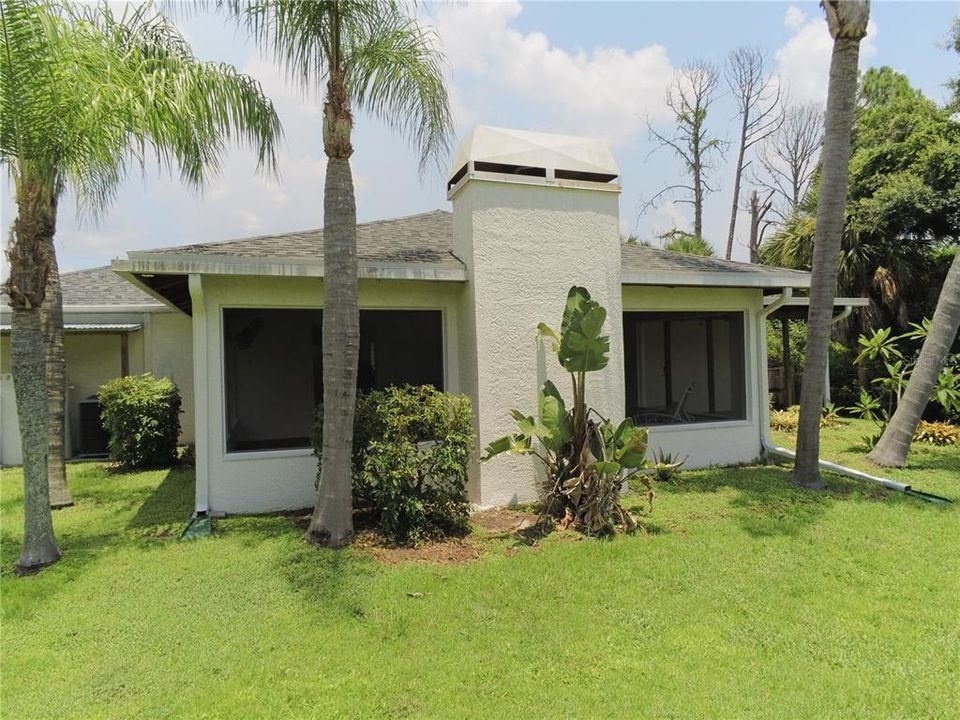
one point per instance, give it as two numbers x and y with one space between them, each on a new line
766 442
713 278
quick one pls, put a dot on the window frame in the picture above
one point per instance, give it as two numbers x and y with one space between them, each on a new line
744 315
278 453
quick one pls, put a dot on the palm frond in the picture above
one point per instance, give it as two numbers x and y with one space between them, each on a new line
86 93
396 74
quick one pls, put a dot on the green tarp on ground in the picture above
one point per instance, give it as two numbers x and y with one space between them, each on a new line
198 527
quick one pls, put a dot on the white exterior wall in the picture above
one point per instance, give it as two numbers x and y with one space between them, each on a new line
166 350
269 480
524 245
716 443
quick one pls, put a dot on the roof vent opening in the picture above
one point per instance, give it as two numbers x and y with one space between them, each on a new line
504 151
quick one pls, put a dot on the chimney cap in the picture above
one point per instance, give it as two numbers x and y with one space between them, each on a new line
527 152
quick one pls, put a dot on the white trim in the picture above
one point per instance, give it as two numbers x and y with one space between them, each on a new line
237 455
483 176
850 302
702 425
715 278
200 394
116 308
185 264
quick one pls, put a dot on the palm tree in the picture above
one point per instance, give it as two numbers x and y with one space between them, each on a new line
683 242
894 444
370 55
847 20
85 95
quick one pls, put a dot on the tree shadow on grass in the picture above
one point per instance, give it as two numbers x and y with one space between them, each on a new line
767 502
169 505
325 580
120 516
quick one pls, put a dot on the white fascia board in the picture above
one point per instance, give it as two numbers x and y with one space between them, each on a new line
838 302
715 279
189 264
484 176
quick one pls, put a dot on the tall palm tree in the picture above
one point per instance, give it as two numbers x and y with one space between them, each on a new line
847 20
85 95
894 444
369 55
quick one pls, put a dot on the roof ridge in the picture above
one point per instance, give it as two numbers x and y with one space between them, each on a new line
84 270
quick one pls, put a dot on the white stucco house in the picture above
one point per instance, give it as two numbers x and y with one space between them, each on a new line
453 298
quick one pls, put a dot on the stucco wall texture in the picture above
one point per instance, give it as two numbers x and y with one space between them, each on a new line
524 246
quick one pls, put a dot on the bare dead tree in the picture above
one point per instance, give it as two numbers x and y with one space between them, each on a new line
759 207
689 97
758 97
788 159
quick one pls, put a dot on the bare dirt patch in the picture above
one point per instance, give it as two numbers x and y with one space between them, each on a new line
487 526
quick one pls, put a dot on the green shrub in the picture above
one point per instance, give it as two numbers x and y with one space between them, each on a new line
411 446
141 414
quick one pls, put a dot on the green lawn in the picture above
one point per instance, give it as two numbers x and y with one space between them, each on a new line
744 598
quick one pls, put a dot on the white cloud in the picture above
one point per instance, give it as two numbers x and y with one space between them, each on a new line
804 62
795 18
606 91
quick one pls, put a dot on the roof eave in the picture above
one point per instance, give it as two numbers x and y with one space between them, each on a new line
713 278
189 264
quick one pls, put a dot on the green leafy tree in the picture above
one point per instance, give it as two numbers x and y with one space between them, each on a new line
895 442
903 204
847 21
84 96
372 56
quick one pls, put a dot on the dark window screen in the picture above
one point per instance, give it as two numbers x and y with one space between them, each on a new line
273 366
684 367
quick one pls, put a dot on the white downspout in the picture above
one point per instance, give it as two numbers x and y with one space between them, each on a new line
766 442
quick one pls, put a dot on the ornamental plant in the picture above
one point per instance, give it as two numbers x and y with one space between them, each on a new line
141 414
588 460
411 448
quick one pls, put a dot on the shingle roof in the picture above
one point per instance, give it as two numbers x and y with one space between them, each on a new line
639 258
101 286
423 238
428 238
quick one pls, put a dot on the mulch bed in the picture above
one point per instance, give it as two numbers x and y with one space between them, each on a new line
495 524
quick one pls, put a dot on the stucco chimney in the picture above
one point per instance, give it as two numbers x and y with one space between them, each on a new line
533 214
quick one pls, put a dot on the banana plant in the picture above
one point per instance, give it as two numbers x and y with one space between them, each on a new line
588 460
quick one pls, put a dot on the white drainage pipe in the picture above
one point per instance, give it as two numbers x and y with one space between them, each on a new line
766 442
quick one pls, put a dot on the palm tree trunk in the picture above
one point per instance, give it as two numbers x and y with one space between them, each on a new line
895 442
52 318
29 260
835 161
332 522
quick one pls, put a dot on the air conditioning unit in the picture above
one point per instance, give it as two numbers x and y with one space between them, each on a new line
93 437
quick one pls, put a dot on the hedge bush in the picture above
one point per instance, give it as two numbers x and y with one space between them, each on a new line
411 446
141 414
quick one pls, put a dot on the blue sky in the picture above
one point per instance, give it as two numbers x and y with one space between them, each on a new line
593 68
